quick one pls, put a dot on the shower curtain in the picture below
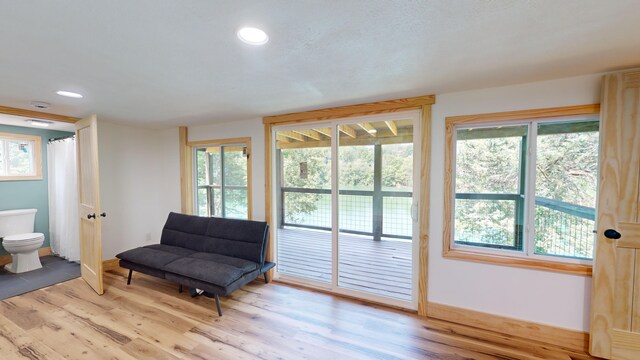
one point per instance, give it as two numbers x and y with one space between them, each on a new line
63 199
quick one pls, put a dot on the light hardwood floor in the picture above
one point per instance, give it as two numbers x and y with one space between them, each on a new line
151 320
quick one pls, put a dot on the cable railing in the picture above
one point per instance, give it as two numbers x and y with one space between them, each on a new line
383 214
496 221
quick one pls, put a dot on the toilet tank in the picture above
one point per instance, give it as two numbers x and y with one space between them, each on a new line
19 221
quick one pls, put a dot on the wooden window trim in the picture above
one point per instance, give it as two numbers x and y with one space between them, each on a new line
186 156
37 115
37 156
422 103
451 252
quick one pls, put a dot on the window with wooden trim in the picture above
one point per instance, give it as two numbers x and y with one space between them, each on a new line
221 176
20 157
523 188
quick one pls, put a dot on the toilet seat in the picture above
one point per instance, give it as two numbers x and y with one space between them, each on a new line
23 238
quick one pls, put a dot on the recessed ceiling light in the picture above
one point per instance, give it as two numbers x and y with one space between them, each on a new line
40 123
253 36
69 94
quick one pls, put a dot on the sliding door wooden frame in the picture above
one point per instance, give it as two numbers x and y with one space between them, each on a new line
190 145
422 103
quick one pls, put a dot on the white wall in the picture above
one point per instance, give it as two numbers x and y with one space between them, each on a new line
247 128
539 296
533 295
139 184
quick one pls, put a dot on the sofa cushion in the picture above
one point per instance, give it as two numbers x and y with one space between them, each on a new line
204 270
244 265
242 239
171 249
154 256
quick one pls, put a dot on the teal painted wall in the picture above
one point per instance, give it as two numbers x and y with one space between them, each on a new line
30 194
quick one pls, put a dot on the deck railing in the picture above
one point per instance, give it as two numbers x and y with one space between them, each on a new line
378 214
561 228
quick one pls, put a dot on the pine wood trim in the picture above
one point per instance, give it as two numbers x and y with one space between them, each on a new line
111 264
488 118
37 156
425 184
448 251
271 248
352 110
37 114
43 251
186 198
218 142
572 340
221 142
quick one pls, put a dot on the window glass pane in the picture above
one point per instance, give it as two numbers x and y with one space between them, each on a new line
235 182
20 157
356 167
308 168
482 221
566 184
202 181
490 174
488 159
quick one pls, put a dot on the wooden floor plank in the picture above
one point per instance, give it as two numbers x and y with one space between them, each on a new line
150 319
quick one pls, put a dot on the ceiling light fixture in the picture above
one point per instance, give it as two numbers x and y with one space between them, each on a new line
372 131
252 36
40 123
69 94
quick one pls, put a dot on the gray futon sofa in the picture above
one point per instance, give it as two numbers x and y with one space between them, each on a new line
215 255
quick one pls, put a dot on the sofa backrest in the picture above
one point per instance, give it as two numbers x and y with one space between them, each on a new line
242 239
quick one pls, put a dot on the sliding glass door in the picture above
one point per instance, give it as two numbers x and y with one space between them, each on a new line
375 181
346 203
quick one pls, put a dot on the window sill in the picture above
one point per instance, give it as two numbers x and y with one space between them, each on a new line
528 263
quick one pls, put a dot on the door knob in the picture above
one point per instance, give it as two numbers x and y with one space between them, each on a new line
612 234
91 216
104 214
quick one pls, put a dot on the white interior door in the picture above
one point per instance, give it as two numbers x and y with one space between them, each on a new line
89 203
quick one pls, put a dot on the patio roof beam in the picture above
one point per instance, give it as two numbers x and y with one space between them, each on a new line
392 127
369 129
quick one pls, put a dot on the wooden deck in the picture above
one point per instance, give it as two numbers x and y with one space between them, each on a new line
379 267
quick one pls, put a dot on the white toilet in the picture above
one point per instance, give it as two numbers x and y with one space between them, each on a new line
19 240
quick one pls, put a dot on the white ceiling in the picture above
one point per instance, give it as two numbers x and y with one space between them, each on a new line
162 63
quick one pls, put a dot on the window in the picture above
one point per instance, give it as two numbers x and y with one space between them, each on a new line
221 175
524 189
20 157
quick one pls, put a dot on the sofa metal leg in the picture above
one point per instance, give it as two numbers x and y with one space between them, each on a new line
218 305
129 278
266 279
180 288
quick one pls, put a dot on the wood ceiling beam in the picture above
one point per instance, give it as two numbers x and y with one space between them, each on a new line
392 126
309 133
291 135
348 130
324 131
282 138
369 129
